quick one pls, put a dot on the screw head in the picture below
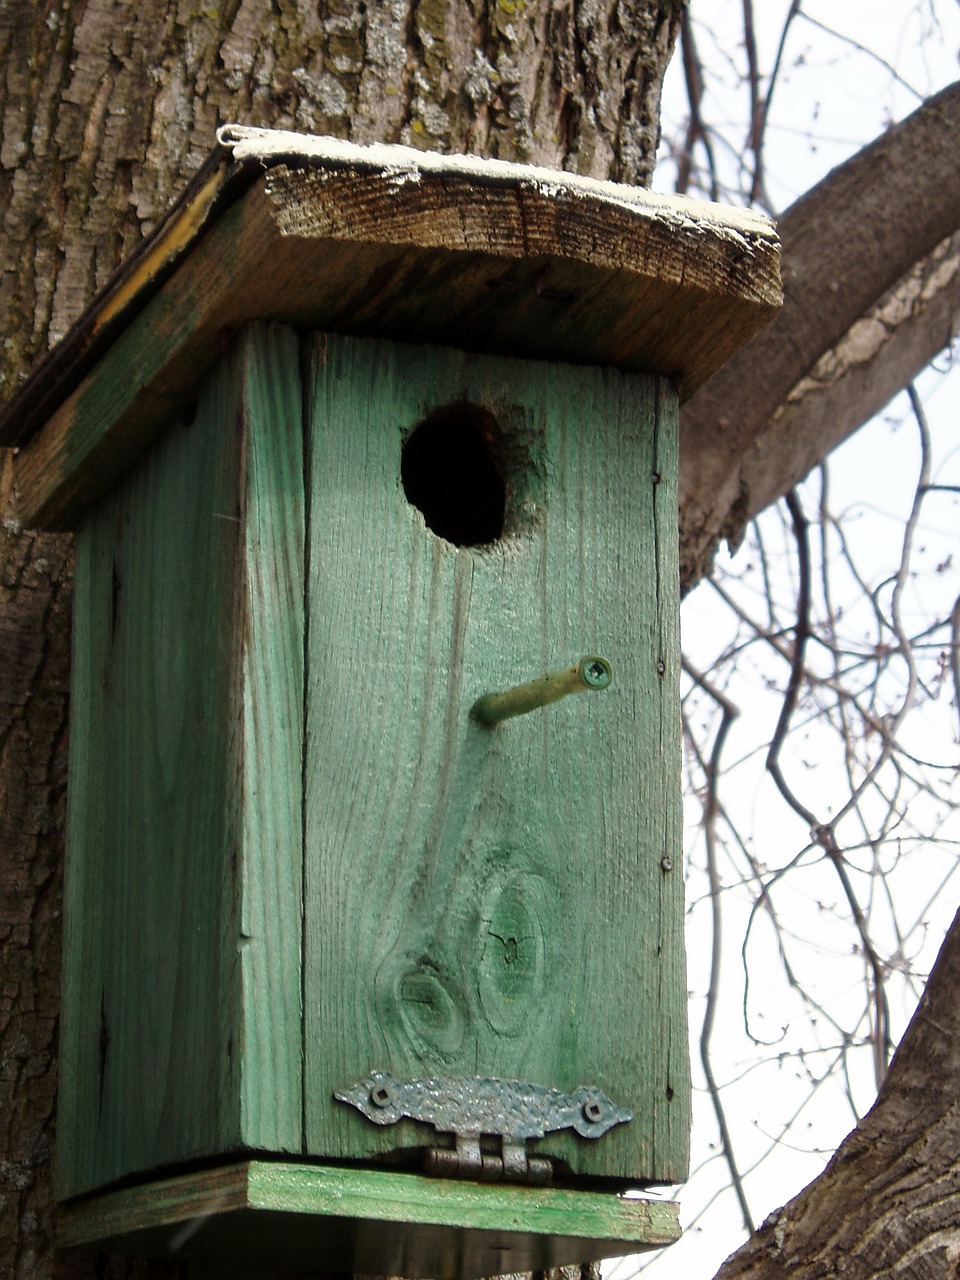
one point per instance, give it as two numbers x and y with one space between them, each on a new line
596 672
593 1112
666 864
381 1095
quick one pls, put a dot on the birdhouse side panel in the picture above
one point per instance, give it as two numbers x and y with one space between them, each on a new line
166 966
493 903
271 866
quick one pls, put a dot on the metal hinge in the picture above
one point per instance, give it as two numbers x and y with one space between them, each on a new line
472 1108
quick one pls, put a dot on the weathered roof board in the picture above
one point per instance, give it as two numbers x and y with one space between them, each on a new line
383 240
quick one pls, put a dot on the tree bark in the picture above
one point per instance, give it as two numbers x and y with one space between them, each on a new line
107 109
888 1202
871 282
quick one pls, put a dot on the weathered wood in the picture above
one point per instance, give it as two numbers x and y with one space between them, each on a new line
497 902
128 290
150 376
295 858
181 1007
489 257
284 1215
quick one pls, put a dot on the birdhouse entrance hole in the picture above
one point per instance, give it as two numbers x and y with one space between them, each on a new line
452 472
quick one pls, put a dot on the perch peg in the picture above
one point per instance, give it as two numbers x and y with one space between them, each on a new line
590 672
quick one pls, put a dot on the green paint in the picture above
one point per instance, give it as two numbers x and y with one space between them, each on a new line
512 973
281 1215
181 1004
293 856
492 903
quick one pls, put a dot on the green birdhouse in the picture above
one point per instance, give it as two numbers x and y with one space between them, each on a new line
373 951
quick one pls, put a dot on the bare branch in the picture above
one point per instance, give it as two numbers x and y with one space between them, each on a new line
729 712
755 138
874 222
955 652
824 833
887 1173
696 129
801 634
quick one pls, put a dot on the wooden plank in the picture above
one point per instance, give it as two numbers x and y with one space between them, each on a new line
181 1021
494 902
283 1215
518 267
154 372
644 286
126 293
739 241
150 993
269 1048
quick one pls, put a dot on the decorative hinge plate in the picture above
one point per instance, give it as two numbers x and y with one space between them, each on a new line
471 1107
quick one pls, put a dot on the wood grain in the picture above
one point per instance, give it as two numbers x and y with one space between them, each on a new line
181 1005
273 676
517 269
249 1215
494 901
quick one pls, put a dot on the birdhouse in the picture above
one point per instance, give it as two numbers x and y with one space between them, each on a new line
373 953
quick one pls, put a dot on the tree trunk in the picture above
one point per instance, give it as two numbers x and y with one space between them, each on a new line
107 109
886 1205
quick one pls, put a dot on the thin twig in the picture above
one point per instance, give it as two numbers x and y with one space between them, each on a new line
774 76
955 652
728 713
824 833
869 53
756 105
696 129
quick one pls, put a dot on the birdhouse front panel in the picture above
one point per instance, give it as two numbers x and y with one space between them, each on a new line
495 902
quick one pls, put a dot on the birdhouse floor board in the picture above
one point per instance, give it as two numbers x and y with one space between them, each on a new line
329 1218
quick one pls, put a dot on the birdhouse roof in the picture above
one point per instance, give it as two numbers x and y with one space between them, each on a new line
390 242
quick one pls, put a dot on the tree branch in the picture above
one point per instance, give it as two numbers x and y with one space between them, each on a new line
887 224
887 1201
711 809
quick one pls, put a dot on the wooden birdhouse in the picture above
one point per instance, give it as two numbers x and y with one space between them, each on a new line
373 950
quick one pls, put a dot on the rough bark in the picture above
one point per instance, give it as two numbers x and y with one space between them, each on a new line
888 1202
106 109
871 281
34 673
